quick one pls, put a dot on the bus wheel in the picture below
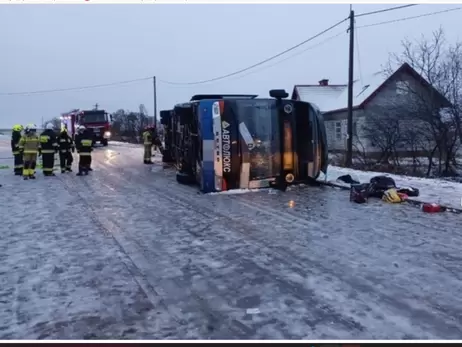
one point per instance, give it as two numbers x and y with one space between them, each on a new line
104 142
184 178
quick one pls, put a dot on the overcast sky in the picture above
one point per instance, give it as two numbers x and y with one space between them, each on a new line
62 46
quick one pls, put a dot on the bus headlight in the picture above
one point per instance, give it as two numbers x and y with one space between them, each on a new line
290 178
107 134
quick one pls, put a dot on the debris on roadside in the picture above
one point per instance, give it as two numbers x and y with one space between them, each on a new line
381 187
432 208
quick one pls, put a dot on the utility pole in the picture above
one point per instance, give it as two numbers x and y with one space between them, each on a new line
155 100
349 156
96 106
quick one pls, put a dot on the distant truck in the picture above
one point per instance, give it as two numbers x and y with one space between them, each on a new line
98 122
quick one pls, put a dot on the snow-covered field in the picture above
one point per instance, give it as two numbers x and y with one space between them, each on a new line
128 253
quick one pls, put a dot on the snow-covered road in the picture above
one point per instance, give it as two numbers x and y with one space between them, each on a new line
128 253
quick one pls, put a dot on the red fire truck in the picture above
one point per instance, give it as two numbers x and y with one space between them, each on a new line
98 122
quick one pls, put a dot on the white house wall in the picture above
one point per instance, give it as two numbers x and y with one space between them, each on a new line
388 95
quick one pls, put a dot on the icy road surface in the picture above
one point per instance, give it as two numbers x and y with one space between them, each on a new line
128 253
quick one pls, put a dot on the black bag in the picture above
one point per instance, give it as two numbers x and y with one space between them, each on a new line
347 179
409 191
379 184
359 193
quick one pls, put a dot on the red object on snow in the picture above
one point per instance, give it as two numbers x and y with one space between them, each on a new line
431 208
403 196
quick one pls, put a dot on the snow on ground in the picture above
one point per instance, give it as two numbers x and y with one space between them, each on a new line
431 190
61 274
124 144
128 253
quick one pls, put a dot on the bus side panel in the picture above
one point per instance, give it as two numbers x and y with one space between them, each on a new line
230 145
207 181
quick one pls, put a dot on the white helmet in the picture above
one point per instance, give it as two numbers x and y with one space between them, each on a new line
81 128
49 126
30 127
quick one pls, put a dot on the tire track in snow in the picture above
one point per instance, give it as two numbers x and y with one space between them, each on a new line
136 262
365 285
282 257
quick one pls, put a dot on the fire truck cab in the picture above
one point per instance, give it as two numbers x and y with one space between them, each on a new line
98 123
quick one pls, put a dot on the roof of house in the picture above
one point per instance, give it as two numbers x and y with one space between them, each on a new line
330 98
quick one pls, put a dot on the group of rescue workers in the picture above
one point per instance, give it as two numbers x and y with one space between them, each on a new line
27 145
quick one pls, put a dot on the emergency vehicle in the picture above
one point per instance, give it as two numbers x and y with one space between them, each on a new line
223 142
98 122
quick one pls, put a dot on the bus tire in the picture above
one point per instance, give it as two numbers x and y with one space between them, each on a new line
104 142
183 178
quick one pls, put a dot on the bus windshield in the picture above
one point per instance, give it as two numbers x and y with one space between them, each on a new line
94 117
258 127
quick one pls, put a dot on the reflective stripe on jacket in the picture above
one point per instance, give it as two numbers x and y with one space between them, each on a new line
29 144
147 138
48 142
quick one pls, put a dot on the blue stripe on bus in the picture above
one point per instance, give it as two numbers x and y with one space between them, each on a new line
208 145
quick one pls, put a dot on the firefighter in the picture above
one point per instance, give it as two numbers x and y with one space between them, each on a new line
29 146
48 148
83 144
15 137
66 148
147 142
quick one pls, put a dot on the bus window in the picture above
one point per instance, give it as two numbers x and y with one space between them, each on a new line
259 119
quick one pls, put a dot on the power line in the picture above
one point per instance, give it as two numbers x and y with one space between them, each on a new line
384 10
252 66
46 91
265 67
408 18
260 62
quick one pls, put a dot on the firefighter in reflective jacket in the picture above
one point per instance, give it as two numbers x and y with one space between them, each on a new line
48 148
15 137
147 142
66 146
83 144
29 146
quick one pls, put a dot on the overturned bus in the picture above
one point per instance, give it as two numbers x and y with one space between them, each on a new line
223 142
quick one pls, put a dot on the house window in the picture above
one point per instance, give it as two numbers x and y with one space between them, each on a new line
402 87
338 130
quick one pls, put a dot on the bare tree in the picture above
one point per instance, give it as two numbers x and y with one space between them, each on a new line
439 111
382 128
128 125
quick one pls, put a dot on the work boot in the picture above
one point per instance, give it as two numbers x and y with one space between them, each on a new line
90 169
32 177
25 178
63 171
18 174
79 173
69 169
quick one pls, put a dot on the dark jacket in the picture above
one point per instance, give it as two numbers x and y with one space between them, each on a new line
48 142
83 143
65 142
15 137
